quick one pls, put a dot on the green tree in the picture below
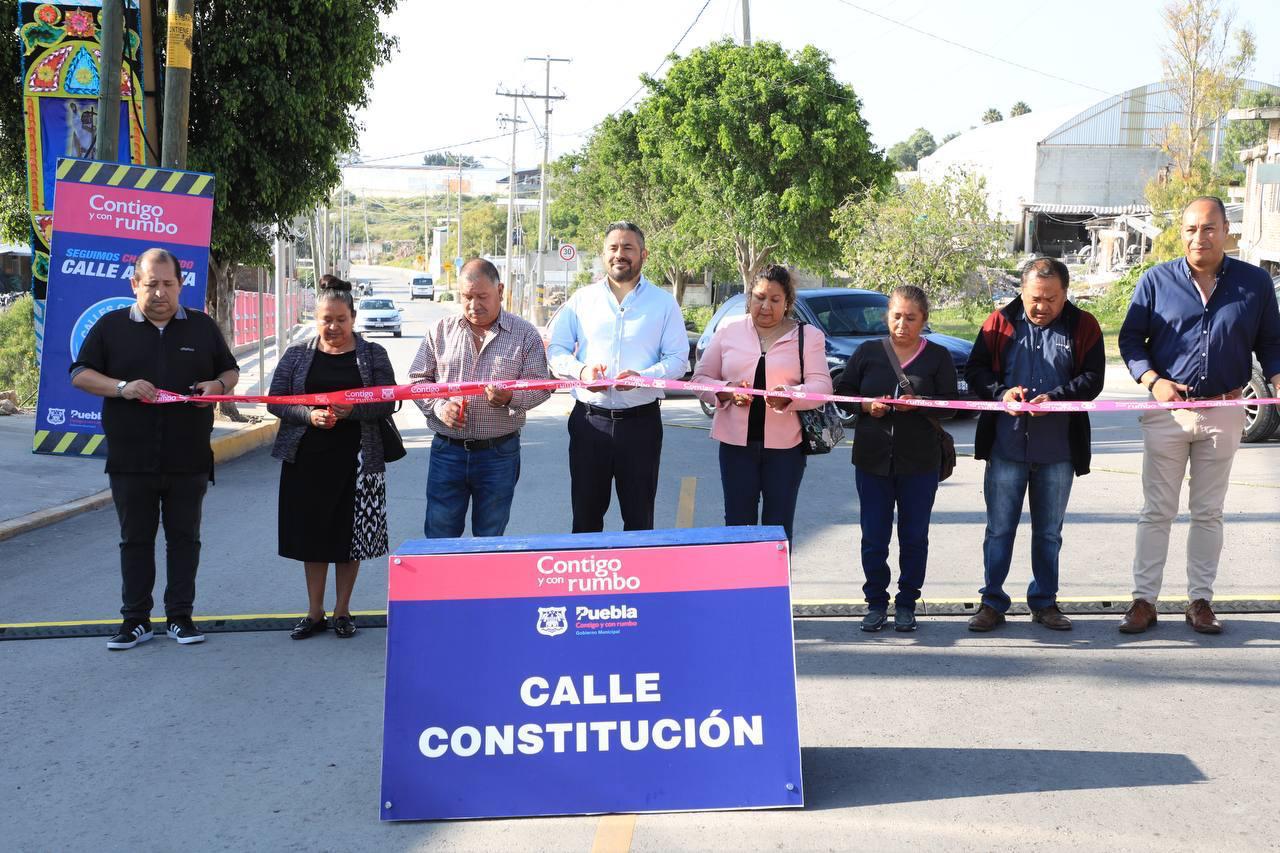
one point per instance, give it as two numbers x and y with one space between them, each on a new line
1168 194
758 146
615 178
1204 64
950 136
991 116
934 236
1019 109
449 158
908 153
1241 135
273 106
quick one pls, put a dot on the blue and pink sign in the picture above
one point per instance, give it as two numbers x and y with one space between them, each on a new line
620 672
107 214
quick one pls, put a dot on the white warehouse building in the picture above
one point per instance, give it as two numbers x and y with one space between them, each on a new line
1049 172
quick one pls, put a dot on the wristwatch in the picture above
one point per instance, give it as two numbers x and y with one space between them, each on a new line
120 388
1152 384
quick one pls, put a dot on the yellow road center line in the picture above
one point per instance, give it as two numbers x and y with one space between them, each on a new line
684 510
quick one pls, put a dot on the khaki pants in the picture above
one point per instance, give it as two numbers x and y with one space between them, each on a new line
1208 438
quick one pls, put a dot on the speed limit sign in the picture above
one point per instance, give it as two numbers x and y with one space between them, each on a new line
568 252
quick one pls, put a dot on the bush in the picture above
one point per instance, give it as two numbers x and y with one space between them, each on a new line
699 315
445 297
18 368
1115 302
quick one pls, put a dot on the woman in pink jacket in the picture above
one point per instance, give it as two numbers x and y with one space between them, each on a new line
759 436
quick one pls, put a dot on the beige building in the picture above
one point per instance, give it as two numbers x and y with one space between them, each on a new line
1260 234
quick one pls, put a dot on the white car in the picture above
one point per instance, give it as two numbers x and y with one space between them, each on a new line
378 315
422 286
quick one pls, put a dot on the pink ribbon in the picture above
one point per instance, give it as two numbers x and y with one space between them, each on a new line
437 390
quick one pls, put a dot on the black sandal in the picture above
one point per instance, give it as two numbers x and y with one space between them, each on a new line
344 627
307 626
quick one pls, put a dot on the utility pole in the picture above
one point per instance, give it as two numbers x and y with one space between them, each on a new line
177 85
547 98
107 130
509 273
746 23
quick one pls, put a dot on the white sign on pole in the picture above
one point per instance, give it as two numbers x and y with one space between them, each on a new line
568 252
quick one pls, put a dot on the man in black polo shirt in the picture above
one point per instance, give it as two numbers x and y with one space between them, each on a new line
158 456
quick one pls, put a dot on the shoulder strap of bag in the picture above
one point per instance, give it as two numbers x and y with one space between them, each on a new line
904 383
800 334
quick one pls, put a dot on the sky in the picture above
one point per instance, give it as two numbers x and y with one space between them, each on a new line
438 91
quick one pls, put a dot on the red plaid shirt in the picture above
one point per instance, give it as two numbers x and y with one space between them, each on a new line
511 349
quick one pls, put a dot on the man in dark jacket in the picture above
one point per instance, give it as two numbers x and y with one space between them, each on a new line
1038 348
159 460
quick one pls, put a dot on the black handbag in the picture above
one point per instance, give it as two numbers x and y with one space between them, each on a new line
946 444
392 443
820 428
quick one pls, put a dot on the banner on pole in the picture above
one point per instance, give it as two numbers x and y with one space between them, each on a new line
61 78
108 214
623 672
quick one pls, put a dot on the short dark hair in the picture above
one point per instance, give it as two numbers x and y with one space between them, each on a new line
480 268
911 293
332 287
781 276
624 225
162 254
1047 268
1217 202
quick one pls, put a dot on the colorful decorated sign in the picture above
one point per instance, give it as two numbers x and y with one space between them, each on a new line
108 214
61 78
607 672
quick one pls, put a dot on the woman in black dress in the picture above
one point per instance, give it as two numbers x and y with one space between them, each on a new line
896 453
333 498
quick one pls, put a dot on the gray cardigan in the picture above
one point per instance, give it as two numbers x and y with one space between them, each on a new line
290 377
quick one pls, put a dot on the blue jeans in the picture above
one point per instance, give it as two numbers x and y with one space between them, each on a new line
913 495
487 478
1004 484
754 471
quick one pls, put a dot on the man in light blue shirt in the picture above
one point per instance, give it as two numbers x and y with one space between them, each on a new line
623 325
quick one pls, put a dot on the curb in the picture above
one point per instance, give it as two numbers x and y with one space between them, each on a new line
225 448
809 609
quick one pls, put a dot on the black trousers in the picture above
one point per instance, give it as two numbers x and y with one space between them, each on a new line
142 502
604 452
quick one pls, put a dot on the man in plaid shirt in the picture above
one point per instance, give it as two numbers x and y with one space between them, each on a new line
475 455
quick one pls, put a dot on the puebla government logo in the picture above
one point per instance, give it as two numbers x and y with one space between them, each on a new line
552 621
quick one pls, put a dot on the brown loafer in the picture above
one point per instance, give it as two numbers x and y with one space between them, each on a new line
986 619
1051 617
1140 616
1201 617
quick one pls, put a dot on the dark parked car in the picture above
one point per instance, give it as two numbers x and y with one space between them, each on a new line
1260 422
847 317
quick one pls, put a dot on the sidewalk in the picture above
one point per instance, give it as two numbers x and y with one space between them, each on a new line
40 489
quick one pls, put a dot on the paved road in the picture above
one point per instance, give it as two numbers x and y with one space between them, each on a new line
940 739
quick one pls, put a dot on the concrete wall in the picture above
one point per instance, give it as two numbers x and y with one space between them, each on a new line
1260 238
1094 174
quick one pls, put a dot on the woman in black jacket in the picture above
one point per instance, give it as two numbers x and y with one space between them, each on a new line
333 495
896 452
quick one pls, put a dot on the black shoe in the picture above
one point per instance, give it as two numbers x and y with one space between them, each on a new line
182 629
132 632
874 620
307 626
344 627
904 620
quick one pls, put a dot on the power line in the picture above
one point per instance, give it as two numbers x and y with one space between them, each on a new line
434 150
975 50
666 57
